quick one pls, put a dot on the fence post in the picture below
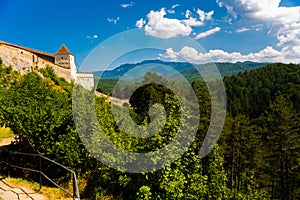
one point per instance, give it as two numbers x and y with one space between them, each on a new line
8 166
8 171
76 195
40 172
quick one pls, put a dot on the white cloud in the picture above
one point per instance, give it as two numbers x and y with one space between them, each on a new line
257 27
113 20
229 8
209 15
283 22
158 25
161 27
267 54
126 5
140 23
201 14
92 37
172 10
193 22
208 33
244 29
188 14
170 55
174 6
204 16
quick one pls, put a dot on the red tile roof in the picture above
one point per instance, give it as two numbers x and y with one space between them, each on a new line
63 51
27 49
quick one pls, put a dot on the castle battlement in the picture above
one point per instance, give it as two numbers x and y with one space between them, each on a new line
24 60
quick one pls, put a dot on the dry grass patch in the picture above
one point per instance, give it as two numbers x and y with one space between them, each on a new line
5 133
50 193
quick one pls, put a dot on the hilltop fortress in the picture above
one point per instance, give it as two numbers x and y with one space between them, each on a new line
26 60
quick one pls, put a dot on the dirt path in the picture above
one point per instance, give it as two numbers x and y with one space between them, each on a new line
6 141
8 191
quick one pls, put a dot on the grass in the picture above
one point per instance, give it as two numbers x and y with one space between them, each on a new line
50 193
5 133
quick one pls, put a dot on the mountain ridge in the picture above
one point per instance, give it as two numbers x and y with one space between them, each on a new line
187 69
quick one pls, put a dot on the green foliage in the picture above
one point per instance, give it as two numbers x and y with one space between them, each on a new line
144 193
257 156
217 178
40 113
250 93
49 73
280 152
8 78
106 85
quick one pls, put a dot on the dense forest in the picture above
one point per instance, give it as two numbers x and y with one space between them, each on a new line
256 157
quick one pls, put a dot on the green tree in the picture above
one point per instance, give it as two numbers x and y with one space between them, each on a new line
281 150
217 177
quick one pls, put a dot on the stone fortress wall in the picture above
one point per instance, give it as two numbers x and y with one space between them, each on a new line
85 79
25 60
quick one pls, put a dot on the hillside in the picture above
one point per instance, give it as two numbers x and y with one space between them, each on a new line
110 78
252 92
226 69
121 70
256 157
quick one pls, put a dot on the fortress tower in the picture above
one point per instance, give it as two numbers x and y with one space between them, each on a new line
65 58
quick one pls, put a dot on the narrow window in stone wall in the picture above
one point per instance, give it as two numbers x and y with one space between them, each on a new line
33 58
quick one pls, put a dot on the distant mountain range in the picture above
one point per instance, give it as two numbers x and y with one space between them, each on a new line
188 70
109 78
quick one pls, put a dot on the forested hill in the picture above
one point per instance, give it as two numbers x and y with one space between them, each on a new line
251 93
187 69
226 69
262 130
109 78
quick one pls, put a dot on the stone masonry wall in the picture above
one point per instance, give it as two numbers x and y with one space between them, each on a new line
85 79
24 61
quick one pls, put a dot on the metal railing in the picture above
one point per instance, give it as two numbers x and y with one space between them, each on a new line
74 194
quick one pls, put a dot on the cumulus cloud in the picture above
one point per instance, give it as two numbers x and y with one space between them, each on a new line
140 23
126 5
160 26
283 22
267 54
208 33
113 20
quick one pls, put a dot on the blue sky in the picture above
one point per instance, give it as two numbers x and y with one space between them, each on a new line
229 30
